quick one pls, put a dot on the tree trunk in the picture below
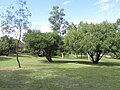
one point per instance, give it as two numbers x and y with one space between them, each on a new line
81 54
76 55
48 56
97 57
17 46
62 55
88 56
91 56
95 62
17 55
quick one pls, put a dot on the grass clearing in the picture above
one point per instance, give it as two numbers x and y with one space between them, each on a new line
67 74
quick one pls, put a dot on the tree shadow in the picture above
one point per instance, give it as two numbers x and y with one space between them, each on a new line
4 58
109 64
57 78
14 79
83 62
83 57
20 55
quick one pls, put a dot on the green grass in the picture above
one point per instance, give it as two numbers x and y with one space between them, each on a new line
67 74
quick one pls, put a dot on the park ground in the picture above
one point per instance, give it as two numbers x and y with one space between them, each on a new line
63 74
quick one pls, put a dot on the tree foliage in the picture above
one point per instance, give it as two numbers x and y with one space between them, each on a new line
48 42
57 20
115 49
7 45
94 39
73 39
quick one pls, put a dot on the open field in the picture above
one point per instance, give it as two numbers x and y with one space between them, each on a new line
67 74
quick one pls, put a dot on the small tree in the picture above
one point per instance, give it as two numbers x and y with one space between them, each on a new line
15 20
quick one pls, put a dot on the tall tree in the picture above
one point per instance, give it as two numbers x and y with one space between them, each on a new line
57 20
15 20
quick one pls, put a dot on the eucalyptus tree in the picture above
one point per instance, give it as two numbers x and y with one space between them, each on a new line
57 20
15 20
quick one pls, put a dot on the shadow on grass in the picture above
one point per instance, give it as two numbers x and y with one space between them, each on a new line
60 79
20 55
84 62
4 58
109 64
14 79
76 57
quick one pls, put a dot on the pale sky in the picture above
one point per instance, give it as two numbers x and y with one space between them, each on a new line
75 10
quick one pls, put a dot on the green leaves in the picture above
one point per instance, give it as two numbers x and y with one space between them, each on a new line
42 41
7 44
93 38
56 19
16 17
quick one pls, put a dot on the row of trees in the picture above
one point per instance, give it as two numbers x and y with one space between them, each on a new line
93 39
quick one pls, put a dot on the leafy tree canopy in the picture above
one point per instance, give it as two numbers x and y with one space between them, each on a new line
46 42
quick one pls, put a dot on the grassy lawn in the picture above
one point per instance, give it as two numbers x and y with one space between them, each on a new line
67 74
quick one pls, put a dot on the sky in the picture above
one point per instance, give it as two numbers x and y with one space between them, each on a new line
94 11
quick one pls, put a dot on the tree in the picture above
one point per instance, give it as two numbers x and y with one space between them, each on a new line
46 42
58 22
94 39
98 39
4 45
7 44
72 40
115 49
16 19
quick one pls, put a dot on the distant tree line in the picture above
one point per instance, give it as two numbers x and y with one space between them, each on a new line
7 45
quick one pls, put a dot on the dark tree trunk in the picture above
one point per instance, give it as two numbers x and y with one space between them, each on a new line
81 54
91 56
97 58
95 62
48 56
98 55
